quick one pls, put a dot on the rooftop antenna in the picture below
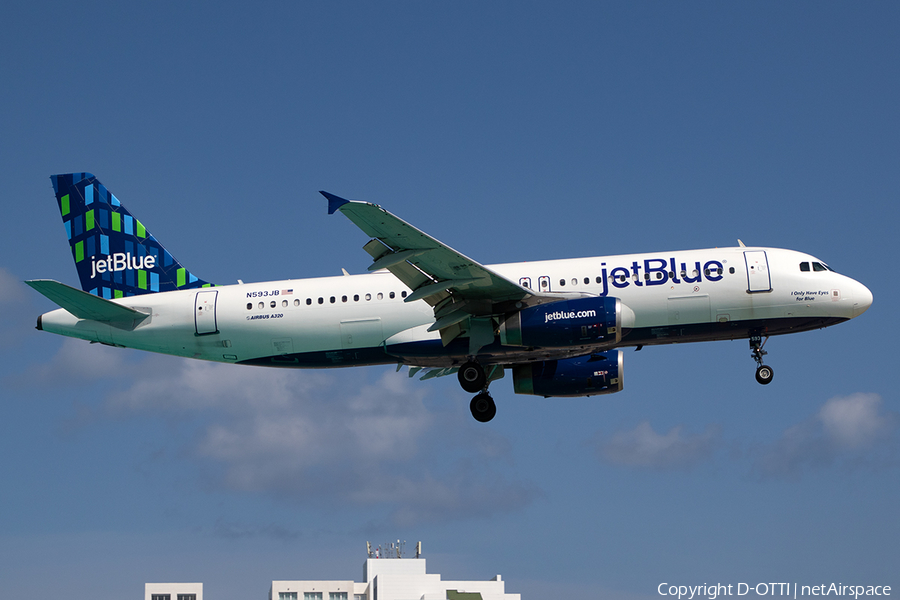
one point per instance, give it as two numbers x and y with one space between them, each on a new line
418 549
369 549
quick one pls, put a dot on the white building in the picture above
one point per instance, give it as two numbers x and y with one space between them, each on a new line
392 579
173 591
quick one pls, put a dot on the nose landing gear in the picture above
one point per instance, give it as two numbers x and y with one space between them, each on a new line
473 379
764 373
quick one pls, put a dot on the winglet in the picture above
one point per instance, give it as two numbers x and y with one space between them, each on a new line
334 202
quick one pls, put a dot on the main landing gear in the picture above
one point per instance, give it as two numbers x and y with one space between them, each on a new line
764 373
473 379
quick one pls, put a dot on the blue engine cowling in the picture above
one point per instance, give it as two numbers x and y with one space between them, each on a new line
580 376
595 321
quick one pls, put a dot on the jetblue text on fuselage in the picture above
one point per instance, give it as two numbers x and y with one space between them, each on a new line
120 261
658 271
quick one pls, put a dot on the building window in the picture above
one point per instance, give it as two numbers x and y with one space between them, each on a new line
363 596
312 595
337 595
160 596
287 595
187 596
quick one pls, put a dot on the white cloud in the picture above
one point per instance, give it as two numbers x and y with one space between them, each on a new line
310 437
79 361
12 289
644 448
855 429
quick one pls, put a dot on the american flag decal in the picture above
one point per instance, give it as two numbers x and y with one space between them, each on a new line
287 292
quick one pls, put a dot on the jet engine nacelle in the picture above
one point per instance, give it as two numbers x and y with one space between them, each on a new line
583 321
580 376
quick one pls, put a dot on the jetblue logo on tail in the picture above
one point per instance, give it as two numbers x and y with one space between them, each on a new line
121 261
114 253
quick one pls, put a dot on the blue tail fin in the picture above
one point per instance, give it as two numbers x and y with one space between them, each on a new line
114 253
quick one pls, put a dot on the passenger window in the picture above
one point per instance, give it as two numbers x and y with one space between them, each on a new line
731 270
308 301
587 280
368 297
574 281
671 274
659 275
272 304
562 282
683 274
249 306
321 300
599 280
393 295
380 296
262 304
332 299
718 271
297 302
356 297
706 272
804 266
343 298
403 294
284 303
646 276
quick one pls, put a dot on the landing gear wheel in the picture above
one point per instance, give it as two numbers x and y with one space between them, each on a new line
764 374
472 377
483 407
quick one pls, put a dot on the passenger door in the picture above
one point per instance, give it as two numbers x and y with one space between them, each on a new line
758 278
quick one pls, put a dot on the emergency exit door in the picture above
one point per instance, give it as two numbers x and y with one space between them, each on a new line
205 312
758 278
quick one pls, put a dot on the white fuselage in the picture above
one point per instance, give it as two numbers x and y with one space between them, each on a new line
695 295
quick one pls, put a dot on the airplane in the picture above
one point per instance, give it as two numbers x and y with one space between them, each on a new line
557 326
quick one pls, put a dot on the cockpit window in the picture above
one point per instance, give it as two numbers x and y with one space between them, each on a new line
819 267
804 266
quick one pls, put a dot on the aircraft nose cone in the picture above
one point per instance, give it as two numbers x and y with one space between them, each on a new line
862 300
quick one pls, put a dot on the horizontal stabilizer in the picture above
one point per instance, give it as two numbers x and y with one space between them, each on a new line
87 306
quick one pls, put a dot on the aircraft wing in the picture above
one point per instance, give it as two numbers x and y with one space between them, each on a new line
463 292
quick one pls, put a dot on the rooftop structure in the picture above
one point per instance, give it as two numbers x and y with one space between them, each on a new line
173 591
397 579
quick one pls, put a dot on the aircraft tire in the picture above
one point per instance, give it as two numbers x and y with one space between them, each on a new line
764 374
472 377
483 407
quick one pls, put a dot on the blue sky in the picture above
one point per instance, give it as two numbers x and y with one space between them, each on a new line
510 131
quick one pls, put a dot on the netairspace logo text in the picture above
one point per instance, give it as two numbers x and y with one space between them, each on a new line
771 589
